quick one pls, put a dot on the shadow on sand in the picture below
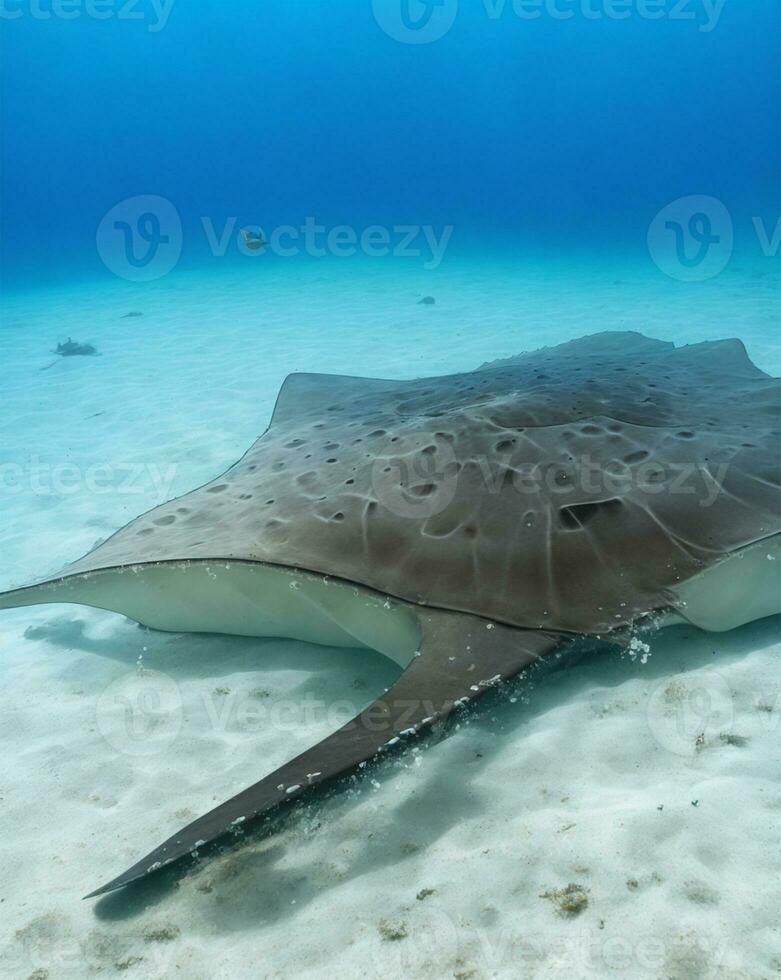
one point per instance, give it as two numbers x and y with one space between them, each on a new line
245 886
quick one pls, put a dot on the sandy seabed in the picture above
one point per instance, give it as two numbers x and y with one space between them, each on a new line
616 817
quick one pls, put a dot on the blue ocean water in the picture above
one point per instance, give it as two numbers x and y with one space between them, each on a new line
561 126
542 170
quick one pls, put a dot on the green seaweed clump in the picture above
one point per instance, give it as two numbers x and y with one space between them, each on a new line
569 901
392 931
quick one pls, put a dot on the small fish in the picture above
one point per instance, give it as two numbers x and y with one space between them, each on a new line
252 241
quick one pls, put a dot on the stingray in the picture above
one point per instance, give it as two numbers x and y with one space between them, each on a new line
468 526
72 348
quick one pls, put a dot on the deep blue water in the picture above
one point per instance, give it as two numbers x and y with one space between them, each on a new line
535 132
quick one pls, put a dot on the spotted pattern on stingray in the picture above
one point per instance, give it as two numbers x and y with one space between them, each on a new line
498 491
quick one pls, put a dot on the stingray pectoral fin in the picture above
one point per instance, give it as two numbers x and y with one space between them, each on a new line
460 657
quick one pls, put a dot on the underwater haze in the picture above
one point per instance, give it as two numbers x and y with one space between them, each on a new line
199 199
564 125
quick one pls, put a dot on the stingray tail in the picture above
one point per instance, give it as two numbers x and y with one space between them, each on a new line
460 657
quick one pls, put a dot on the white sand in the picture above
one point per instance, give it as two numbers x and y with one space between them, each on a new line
589 777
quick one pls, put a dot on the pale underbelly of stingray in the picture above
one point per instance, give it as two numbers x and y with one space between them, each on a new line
242 599
744 587
252 599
